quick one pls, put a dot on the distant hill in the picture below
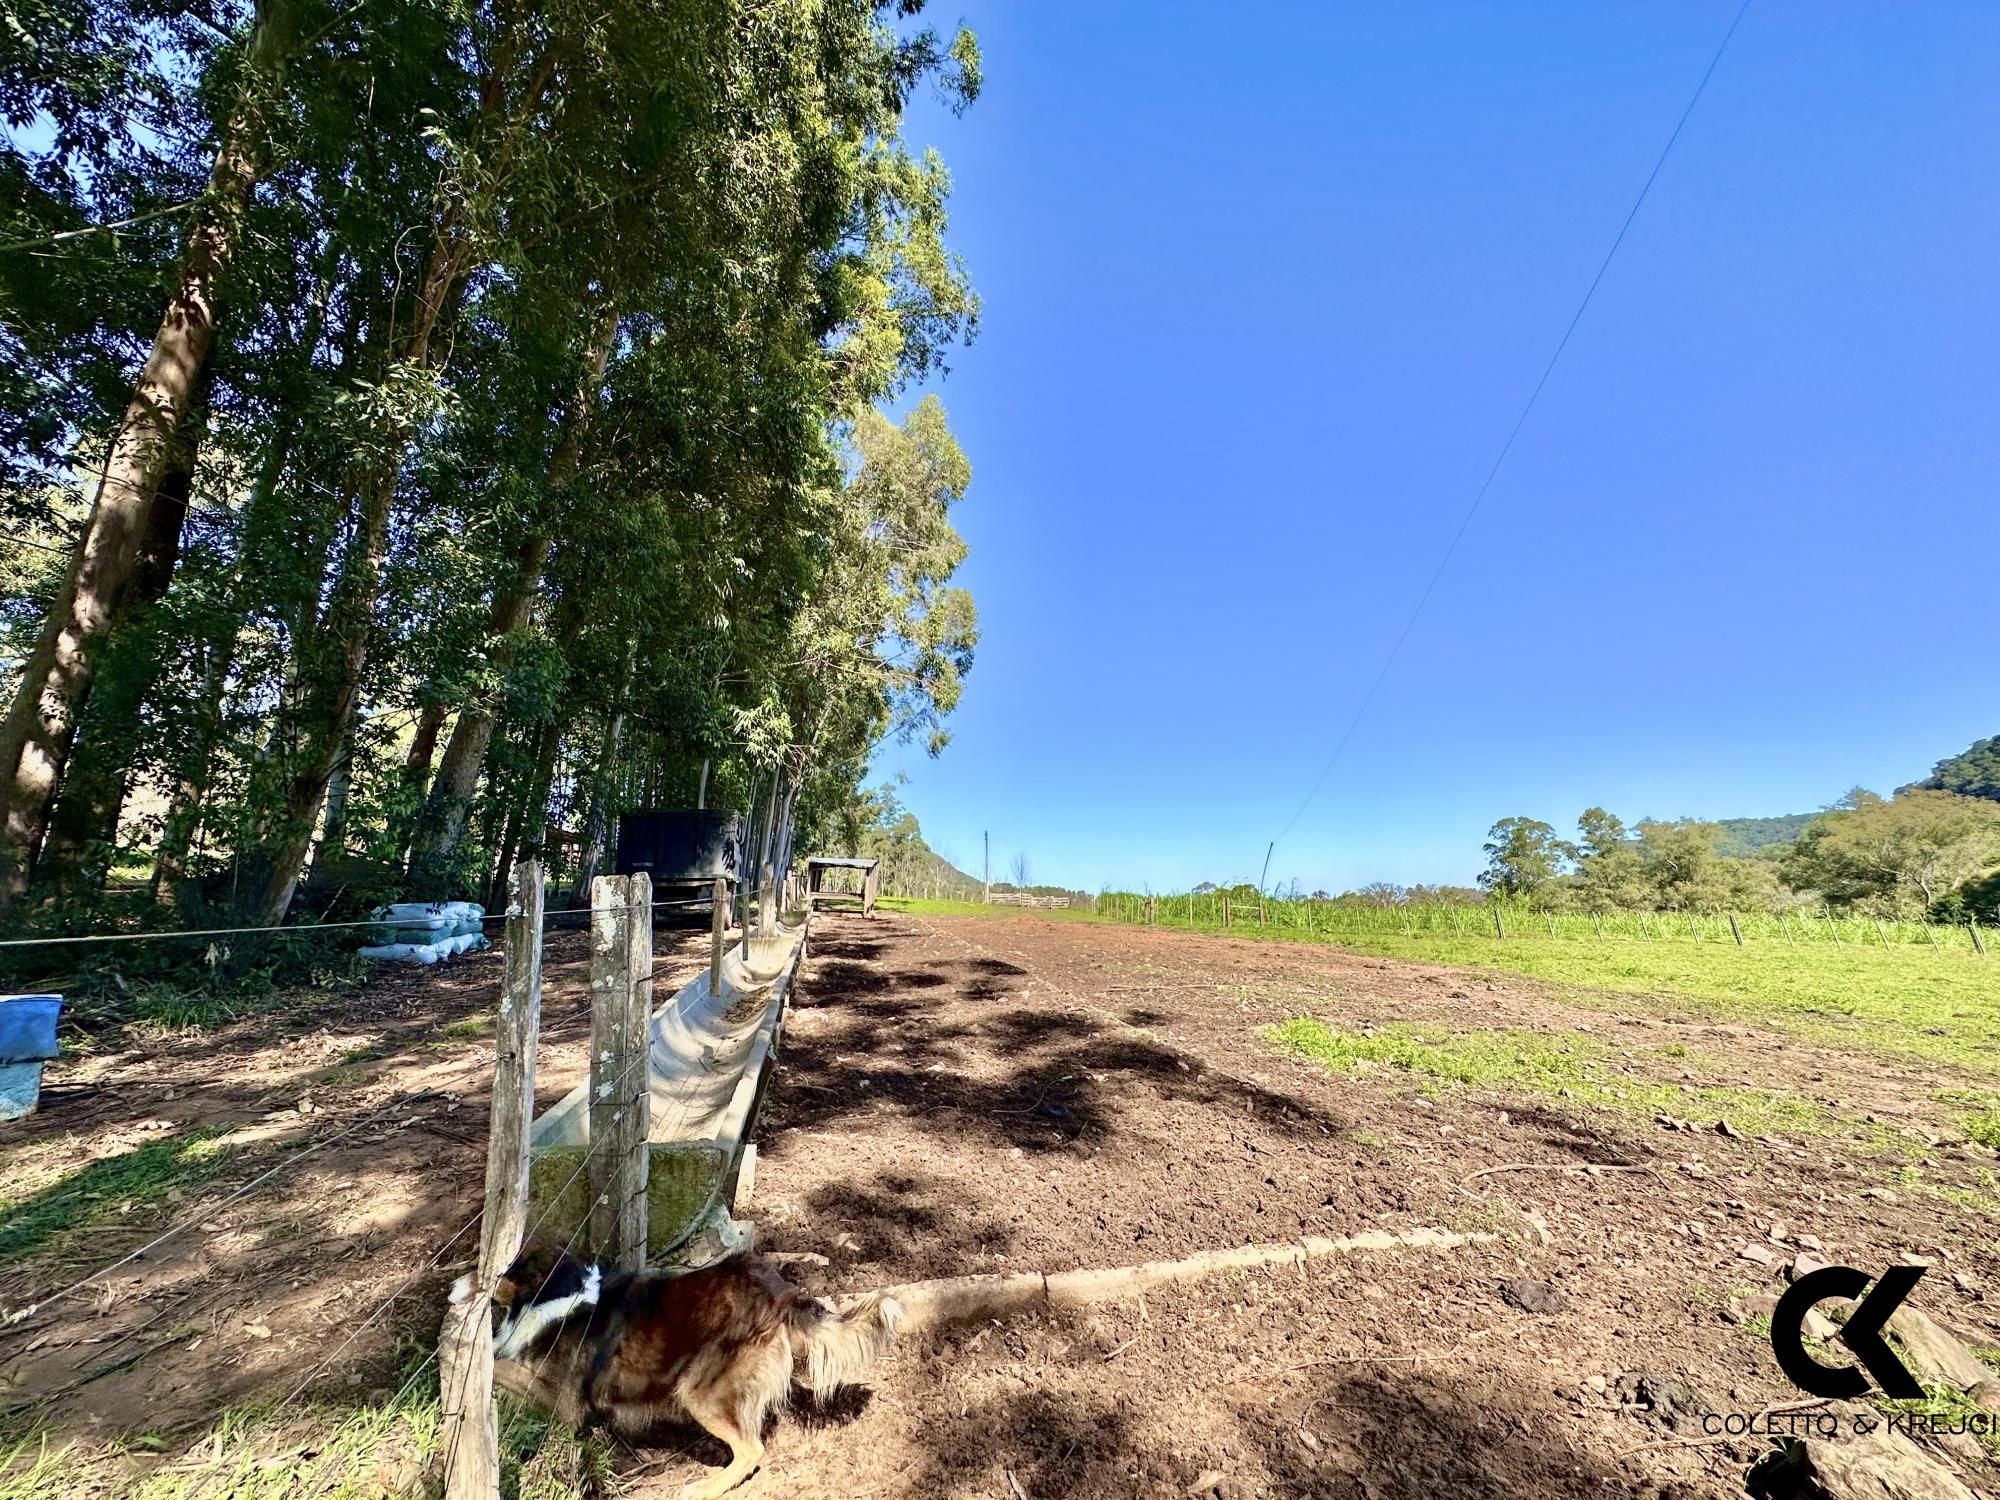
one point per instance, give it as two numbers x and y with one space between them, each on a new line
1743 838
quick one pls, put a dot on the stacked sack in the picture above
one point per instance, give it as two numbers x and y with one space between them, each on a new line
427 931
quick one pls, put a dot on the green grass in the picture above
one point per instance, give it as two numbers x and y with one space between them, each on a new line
319 1452
1556 1065
922 907
95 1194
1979 1113
1942 1005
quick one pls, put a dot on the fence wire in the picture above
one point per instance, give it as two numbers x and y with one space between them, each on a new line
1220 912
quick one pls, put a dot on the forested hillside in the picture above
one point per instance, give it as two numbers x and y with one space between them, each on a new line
1740 838
426 431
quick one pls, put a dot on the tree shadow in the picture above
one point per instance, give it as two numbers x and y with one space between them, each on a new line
911 1052
1392 1436
1587 1142
905 1221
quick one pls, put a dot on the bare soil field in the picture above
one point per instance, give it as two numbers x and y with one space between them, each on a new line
997 1094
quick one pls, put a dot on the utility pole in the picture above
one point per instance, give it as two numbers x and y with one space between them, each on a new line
986 870
1267 867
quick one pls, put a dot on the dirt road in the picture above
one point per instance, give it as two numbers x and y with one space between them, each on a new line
962 1095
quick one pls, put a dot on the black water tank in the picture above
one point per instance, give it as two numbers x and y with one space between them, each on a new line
677 845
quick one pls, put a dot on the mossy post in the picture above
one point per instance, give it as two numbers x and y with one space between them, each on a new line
470 1431
621 1004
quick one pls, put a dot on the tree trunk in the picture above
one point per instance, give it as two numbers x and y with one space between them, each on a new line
423 745
597 829
329 691
333 833
83 830
767 901
40 728
443 819
534 821
334 653
513 800
196 772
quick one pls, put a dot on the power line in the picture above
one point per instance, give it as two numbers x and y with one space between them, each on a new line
1507 447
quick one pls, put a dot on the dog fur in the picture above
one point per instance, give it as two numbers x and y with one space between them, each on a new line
721 1346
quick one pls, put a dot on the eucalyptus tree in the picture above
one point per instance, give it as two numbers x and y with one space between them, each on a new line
884 643
801 275
119 541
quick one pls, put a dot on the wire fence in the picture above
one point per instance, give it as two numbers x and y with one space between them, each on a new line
674 1102
1223 912
558 917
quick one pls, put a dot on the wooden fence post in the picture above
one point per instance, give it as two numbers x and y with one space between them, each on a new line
1499 927
1736 929
470 1431
621 1005
1260 908
1978 946
718 924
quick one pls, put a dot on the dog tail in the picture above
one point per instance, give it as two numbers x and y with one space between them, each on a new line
832 1349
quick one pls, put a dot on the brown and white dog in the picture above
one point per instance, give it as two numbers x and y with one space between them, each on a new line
721 1346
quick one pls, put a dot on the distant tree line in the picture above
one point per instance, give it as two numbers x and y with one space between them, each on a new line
1930 850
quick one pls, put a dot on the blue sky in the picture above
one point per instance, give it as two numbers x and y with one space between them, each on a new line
1264 291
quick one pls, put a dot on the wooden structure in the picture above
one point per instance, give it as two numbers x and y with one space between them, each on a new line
1029 898
642 1163
871 883
470 1430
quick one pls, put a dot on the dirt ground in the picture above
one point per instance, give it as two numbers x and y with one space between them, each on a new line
959 1095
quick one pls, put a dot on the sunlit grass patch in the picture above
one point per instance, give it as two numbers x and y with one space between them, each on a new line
1950 1408
1944 1007
318 1451
1978 1113
104 1190
1552 1064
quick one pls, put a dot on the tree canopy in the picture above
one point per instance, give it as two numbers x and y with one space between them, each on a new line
469 424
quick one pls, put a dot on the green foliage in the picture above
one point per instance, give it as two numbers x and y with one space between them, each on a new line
1523 857
1897 857
538 473
1748 838
1973 772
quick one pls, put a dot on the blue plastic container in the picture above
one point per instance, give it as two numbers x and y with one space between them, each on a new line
27 1040
28 1027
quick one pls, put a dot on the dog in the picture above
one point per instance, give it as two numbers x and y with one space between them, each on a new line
721 1346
